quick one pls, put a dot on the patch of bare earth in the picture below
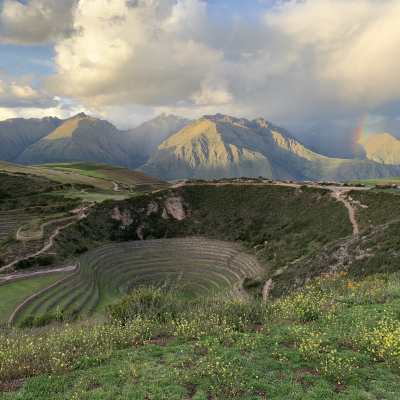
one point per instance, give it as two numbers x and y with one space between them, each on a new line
11 386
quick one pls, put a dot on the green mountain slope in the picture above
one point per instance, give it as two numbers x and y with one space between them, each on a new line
221 146
17 134
149 135
83 138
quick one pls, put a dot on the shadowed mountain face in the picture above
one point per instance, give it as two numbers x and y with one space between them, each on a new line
149 135
17 134
389 125
330 140
339 141
83 138
220 146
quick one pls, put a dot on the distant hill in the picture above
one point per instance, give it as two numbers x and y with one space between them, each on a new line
83 138
221 146
97 175
101 171
149 135
382 148
17 134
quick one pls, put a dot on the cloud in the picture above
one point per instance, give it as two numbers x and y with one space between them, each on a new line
21 93
302 60
37 22
6 113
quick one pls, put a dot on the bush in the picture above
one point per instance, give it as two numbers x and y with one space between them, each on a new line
144 301
47 318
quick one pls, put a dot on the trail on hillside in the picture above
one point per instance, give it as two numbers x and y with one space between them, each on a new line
338 194
115 186
40 235
54 271
267 287
48 244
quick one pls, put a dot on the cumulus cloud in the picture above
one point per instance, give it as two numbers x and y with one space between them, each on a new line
302 60
37 22
21 93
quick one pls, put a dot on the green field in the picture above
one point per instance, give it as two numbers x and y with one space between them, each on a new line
13 294
101 171
373 182
94 194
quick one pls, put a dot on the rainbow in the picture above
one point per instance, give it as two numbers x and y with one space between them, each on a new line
362 130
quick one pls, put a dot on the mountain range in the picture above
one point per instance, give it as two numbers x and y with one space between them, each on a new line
338 141
83 138
149 135
215 146
221 146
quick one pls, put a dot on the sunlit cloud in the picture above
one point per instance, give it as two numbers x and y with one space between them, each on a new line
300 61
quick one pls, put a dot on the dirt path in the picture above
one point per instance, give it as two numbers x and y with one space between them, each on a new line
40 235
115 186
267 287
338 194
55 271
49 242
46 247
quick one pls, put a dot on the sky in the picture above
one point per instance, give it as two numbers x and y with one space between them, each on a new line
294 62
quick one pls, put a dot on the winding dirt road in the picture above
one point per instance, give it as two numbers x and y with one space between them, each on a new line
49 242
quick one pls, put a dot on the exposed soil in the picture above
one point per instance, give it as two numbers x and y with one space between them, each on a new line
12 386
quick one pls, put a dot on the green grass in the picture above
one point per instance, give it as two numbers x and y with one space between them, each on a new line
95 194
93 174
337 339
13 294
101 172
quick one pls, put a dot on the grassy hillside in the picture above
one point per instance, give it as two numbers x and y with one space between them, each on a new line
334 336
220 146
293 221
374 250
29 201
101 171
97 175
336 339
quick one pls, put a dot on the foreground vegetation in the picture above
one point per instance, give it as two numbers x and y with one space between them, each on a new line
336 338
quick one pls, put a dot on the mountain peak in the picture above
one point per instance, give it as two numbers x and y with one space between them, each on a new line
80 115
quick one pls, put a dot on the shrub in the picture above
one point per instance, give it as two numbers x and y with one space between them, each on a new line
144 302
